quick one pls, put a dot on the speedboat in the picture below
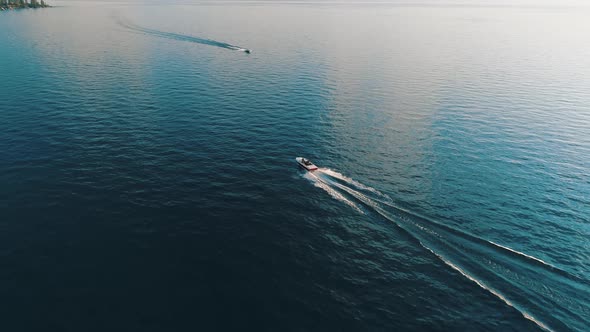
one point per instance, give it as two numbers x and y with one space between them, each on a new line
247 51
305 163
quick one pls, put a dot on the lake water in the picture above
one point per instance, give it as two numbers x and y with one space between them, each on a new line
148 181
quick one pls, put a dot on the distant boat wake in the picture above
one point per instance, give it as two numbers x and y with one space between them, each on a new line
179 37
552 298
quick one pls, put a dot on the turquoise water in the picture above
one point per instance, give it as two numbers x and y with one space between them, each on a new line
148 179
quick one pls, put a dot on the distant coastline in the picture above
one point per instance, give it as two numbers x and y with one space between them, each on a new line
21 4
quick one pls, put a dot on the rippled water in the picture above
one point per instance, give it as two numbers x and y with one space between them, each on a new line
148 182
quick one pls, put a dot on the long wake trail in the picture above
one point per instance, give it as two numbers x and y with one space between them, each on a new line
550 297
176 36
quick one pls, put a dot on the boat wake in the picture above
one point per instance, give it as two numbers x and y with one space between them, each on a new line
550 297
176 36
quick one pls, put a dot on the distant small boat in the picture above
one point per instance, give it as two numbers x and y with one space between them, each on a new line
305 163
247 51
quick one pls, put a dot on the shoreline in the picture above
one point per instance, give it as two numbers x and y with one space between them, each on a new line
12 5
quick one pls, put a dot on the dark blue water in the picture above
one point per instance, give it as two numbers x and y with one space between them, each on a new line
148 182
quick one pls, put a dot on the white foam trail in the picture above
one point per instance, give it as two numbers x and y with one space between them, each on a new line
331 187
334 193
468 276
363 198
523 254
489 289
473 236
237 48
348 180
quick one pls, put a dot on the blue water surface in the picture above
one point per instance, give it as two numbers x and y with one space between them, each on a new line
148 181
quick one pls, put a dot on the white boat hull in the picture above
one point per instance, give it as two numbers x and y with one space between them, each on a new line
308 165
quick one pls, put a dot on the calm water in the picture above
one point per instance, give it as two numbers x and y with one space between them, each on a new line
148 183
